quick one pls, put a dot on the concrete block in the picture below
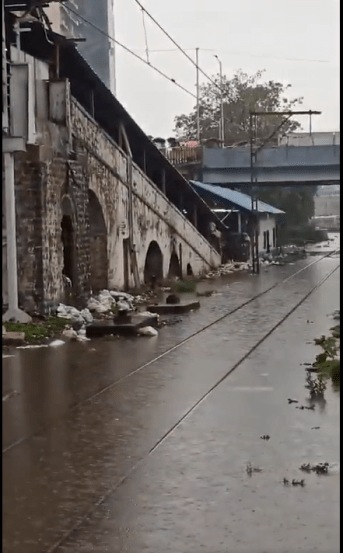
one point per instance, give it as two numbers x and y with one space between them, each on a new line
129 327
13 339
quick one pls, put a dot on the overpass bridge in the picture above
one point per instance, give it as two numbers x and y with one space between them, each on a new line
287 165
281 165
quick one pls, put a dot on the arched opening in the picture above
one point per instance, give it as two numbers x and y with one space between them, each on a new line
68 241
68 247
174 266
189 270
97 244
153 268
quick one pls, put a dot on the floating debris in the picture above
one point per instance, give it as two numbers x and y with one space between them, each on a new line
308 407
265 437
56 343
250 469
9 395
33 346
306 467
292 400
319 468
147 331
315 428
205 294
298 482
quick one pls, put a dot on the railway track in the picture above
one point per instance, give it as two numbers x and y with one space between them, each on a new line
55 547
54 420
90 507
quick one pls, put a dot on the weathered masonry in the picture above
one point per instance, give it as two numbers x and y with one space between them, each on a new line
96 207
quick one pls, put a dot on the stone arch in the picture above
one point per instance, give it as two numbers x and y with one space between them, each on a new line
153 263
189 270
174 266
68 239
97 244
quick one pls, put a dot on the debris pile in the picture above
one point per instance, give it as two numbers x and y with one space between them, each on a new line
284 255
106 303
228 269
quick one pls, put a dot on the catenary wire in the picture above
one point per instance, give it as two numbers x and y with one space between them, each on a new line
177 45
161 73
233 53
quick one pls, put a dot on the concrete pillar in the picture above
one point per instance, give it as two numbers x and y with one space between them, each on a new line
13 313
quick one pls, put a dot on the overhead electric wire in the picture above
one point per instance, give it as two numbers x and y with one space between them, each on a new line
161 73
177 45
219 50
145 38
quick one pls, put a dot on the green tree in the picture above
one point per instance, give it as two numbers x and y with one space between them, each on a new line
296 202
241 94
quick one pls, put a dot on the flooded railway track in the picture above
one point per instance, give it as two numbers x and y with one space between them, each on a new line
51 422
55 548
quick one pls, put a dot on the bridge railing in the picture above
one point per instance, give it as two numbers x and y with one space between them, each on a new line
181 155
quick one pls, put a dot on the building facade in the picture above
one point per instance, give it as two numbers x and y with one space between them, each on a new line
98 49
239 217
95 202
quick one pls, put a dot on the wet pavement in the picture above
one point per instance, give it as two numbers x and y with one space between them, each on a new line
108 448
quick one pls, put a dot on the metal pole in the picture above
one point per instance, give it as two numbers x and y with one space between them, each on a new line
254 200
197 92
221 105
221 124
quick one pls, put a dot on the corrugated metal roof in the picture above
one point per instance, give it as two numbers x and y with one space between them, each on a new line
237 198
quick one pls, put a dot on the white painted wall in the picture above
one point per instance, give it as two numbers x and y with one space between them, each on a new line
267 223
154 216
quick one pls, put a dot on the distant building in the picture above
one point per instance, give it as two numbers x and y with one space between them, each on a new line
237 214
98 49
327 205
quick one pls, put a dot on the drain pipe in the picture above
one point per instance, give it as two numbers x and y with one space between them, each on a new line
133 256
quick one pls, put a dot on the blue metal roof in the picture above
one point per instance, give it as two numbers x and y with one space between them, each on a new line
237 198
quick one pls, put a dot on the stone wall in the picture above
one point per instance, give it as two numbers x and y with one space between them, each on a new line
30 180
154 217
72 201
45 192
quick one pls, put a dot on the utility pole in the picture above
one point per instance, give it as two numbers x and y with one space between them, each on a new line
11 144
197 93
221 124
253 117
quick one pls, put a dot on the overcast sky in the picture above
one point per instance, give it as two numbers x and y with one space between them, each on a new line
295 41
